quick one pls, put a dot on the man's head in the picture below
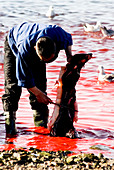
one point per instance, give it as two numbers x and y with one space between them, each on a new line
46 49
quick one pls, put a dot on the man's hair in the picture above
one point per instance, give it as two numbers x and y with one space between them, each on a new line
45 47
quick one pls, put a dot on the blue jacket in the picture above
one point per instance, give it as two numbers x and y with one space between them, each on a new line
22 39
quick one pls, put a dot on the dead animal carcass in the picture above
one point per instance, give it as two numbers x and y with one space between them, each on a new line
61 122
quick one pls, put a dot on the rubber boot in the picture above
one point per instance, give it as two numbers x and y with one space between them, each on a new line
10 118
40 118
45 117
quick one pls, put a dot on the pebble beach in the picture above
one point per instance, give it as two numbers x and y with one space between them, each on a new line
20 159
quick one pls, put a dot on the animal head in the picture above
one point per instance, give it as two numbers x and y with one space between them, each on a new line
99 23
50 7
80 59
73 68
104 30
101 69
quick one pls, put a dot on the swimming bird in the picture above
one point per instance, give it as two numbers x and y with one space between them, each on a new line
102 76
92 28
107 32
50 13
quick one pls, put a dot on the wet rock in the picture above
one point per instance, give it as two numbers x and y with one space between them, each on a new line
100 147
45 154
100 156
70 160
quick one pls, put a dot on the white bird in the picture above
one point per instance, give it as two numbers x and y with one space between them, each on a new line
50 13
102 76
92 28
107 32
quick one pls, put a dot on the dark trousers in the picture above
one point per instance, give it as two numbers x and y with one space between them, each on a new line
12 91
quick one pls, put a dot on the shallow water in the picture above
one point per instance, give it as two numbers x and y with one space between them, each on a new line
95 100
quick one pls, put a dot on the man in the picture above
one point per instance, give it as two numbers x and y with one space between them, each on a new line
28 47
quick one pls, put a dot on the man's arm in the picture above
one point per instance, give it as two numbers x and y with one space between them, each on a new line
68 52
41 97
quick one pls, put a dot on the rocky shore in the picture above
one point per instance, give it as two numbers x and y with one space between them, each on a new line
32 159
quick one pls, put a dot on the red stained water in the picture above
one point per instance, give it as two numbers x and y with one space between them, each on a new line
95 101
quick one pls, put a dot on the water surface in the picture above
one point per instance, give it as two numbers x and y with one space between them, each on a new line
95 100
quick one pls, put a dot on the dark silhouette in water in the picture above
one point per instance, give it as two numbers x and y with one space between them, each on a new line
63 126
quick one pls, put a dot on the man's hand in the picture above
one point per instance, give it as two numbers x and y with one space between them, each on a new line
41 97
